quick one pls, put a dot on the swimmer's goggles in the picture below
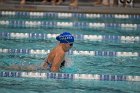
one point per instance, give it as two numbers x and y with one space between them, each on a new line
71 44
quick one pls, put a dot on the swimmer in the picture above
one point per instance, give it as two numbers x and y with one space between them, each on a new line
56 58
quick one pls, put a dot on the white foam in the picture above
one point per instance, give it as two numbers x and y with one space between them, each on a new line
68 62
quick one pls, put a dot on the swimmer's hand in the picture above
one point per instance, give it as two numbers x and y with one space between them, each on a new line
44 66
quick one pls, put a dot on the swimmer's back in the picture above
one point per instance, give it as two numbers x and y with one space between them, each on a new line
54 53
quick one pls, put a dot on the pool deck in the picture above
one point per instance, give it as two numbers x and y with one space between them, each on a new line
66 8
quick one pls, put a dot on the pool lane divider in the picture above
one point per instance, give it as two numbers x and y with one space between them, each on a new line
66 15
114 38
71 52
89 25
70 76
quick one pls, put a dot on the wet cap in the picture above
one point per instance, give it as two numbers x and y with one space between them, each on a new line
65 37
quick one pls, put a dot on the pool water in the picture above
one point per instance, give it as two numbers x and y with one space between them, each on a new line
15 85
81 64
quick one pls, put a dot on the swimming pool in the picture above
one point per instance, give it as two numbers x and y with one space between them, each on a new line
105 57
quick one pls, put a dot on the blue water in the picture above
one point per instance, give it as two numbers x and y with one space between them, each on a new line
80 64
66 86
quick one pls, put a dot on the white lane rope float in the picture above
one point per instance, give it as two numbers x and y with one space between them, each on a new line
71 52
69 76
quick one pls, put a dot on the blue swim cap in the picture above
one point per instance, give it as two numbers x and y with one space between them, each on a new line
65 37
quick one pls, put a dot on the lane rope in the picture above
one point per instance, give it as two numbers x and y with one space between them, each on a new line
71 52
121 39
69 76
66 15
89 25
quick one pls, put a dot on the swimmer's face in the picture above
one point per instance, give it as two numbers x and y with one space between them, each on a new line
69 46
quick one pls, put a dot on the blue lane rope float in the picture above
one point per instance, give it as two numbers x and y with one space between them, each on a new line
120 39
69 76
35 24
75 52
66 15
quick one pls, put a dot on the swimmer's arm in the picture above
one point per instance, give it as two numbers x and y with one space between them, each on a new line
57 62
44 65
21 68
